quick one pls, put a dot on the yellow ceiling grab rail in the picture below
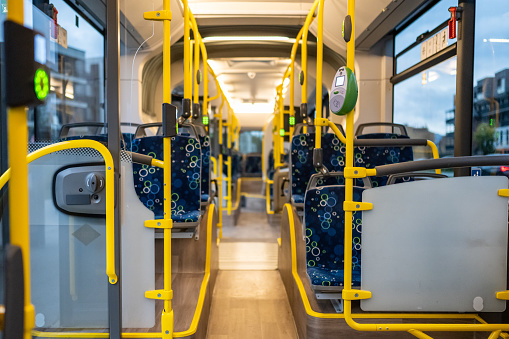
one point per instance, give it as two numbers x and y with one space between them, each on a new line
109 189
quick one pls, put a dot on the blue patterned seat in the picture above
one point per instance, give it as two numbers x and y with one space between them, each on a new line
370 157
324 222
301 155
185 177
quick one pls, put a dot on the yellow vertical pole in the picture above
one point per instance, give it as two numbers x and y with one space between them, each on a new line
292 97
167 317
220 167
187 52
277 119
319 67
304 56
281 123
304 63
17 139
196 67
350 55
230 131
191 74
205 80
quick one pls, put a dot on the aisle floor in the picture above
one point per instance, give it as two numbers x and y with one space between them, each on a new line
249 299
250 305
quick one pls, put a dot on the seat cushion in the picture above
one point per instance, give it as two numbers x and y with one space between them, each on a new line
205 197
298 199
180 216
325 277
325 232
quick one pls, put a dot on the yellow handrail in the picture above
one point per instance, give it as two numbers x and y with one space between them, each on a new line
229 178
309 310
304 51
167 316
220 169
197 313
237 203
214 165
187 52
17 136
218 87
109 190
319 67
341 137
290 71
350 294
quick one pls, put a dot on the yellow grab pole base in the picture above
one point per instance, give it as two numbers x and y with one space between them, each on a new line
29 321
167 324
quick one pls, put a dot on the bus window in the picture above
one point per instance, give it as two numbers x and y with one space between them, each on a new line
76 73
490 123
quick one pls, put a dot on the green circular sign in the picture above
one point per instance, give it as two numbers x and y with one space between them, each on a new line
41 84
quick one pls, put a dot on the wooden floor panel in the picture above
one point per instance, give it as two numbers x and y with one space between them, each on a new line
250 304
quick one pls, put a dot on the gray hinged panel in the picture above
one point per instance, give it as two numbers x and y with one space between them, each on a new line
436 246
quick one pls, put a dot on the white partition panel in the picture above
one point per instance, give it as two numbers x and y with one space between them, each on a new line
436 246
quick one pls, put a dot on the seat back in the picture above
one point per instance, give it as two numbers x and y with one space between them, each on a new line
128 139
370 157
185 176
302 167
324 221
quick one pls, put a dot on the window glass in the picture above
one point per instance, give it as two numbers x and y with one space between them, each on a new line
491 76
250 141
424 24
76 62
425 104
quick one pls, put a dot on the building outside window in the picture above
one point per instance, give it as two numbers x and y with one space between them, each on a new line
424 102
490 116
76 72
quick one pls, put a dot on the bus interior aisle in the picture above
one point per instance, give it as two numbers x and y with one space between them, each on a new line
241 169
249 299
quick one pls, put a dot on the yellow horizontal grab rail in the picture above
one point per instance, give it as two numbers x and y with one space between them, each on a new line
110 192
313 313
341 137
157 163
